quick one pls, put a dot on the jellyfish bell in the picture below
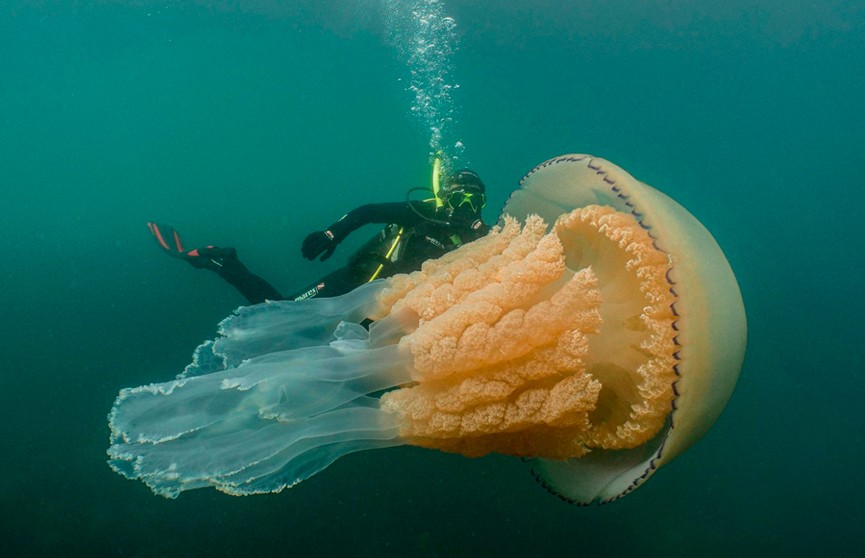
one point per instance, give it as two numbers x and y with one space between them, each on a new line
710 325
597 330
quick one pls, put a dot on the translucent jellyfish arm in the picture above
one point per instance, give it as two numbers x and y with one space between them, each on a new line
268 419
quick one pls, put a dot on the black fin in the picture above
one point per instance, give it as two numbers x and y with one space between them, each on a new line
168 239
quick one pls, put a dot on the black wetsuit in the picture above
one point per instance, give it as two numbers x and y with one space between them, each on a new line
401 247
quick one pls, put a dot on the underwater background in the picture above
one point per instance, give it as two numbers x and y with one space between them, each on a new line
252 123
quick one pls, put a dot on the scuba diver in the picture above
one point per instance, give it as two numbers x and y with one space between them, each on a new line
415 231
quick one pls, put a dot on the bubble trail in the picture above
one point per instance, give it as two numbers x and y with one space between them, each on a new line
426 40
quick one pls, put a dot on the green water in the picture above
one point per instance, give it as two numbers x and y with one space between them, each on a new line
253 123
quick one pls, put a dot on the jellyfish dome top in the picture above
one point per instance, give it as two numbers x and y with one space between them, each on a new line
598 331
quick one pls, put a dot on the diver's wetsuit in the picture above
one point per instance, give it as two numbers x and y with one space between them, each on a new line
409 239
251 286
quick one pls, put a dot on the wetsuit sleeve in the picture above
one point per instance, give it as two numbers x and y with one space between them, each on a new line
399 213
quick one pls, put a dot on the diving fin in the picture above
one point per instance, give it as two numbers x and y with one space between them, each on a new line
168 239
211 257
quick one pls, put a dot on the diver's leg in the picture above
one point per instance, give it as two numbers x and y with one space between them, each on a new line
222 261
339 282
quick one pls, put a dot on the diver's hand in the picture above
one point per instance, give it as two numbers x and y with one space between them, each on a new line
318 243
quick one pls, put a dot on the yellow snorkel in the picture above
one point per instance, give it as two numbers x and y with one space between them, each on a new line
436 180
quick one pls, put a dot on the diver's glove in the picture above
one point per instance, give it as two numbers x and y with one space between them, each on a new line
319 243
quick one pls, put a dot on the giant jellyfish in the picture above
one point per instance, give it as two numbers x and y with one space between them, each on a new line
598 331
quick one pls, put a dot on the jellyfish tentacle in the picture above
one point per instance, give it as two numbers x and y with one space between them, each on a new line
269 419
